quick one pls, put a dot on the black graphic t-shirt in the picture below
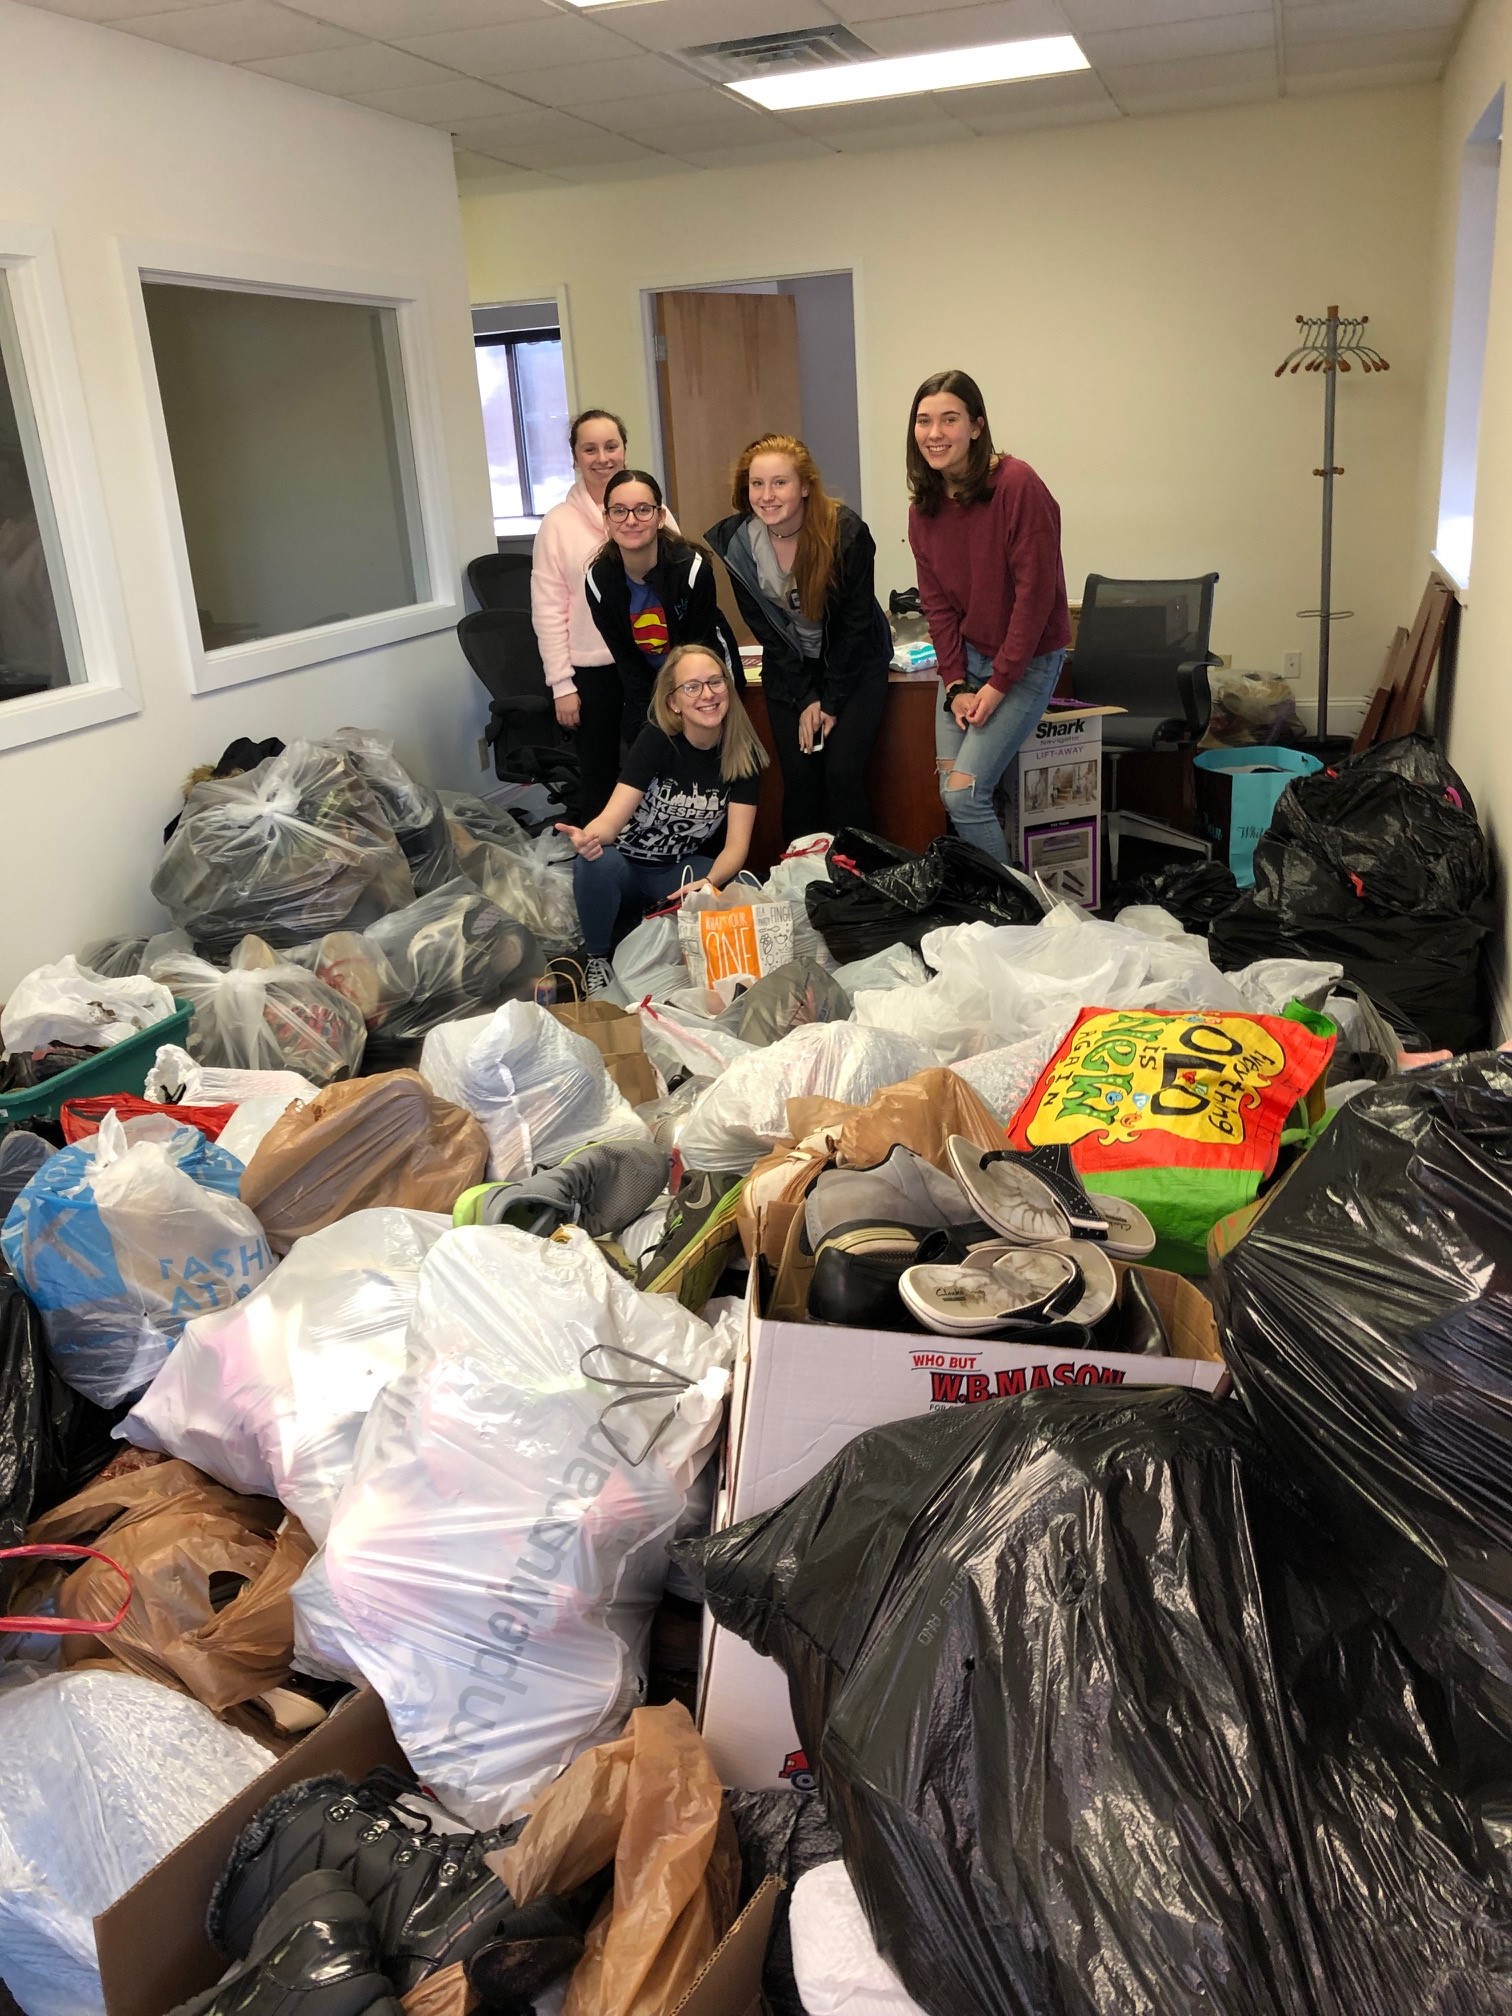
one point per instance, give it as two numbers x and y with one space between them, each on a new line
683 809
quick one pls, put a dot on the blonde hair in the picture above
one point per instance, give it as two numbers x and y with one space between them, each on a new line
740 753
819 539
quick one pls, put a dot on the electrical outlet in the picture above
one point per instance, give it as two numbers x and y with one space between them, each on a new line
1292 664
482 752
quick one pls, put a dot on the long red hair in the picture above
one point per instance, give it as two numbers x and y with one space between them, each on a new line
818 542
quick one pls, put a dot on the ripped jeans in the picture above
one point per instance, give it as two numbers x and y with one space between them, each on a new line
981 755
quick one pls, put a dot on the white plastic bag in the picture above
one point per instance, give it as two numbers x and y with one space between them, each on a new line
677 1042
738 932
1004 1078
893 966
121 1239
836 1964
538 1090
1270 984
744 1112
69 1003
253 1120
268 1397
267 1015
648 961
493 1564
102 1774
177 1079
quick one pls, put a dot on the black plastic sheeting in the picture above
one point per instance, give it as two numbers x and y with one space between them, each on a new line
1382 866
1368 1314
1194 892
1107 1728
879 894
52 1440
782 1834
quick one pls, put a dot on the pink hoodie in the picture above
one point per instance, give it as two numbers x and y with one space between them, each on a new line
571 533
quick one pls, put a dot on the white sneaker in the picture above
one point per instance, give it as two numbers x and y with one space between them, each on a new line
598 976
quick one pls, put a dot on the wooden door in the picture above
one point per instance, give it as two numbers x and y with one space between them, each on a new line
727 372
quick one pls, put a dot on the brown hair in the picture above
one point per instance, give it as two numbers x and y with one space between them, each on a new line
595 413
814 562
926 486
670 545
740 754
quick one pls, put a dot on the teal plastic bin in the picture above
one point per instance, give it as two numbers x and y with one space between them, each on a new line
121 1068
1237 791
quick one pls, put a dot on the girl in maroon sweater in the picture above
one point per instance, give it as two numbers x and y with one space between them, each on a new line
985 534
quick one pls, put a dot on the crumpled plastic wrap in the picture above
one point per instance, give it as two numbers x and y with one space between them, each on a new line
269 1397
538 1090
454 953
67 1003
101 1775
289 851
744 1113
496 1556
266 1015
413 810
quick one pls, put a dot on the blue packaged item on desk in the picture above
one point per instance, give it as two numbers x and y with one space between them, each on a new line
121 1239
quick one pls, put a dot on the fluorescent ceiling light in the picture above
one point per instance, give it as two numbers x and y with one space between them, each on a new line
904 76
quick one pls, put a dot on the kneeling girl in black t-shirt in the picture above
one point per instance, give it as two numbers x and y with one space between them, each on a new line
685 804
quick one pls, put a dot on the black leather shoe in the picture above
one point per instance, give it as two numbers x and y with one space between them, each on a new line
537 1945
314 1954
431 1898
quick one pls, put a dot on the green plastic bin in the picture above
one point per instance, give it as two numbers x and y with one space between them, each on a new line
121 1068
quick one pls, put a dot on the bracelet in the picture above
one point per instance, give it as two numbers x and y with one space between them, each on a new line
960 686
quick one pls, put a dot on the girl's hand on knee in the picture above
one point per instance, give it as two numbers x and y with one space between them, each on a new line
587 845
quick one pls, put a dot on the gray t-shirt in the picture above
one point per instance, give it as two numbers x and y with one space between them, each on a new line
781 591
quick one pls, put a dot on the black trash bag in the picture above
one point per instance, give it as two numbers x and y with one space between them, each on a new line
1368 1313
786 998
1104 1730
1382 866
1194 892
782 1834
414 810
52 1440
879 894
22 1153
454 953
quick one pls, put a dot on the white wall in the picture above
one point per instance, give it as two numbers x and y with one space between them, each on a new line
104 137
1122 291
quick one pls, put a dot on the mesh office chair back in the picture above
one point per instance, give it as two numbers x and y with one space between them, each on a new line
500 646
1143 646
500 580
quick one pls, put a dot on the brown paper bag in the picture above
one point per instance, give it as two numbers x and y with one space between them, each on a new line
365 1142
921 1113
182 1538
618 1039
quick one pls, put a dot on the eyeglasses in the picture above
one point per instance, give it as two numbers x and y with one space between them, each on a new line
715 683
620 512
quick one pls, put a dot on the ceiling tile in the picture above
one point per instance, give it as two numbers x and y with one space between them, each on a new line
686 24
579 152
1031 119
860 14
670 115
1367 52
768 153
519 46
897 120
1101 16
704 136
985 107
388 20
109 11
477 174
963 27
1170 41
1335 19
238 32
441 104
1157 86
629 76
624 171
1381 76
496 136
364 66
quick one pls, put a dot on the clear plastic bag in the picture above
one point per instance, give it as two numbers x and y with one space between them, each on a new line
101 1775
291 850
531 882
121 1239
648 961
262 1016
538 1090
67 1003
893 966
177 1079
494 1561
744 1112
413 810
269 1397
454 953
120 958
351 965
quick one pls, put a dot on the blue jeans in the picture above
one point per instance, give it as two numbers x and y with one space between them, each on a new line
606 887
983 754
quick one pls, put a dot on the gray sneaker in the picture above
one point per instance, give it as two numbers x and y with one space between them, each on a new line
887 1208
603 1187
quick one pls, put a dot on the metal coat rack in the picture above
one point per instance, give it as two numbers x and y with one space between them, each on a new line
1330 343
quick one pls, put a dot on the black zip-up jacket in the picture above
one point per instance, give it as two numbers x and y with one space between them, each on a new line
856 643
683 582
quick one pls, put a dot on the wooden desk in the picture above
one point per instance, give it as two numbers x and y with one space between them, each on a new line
901 776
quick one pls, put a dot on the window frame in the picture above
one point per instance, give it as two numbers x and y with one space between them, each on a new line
212 671
54 391
509 340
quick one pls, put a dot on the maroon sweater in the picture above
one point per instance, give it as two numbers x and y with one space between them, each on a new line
990 574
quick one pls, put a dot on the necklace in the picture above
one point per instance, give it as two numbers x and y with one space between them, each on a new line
786 535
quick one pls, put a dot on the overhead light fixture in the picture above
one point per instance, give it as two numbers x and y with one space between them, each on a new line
906 76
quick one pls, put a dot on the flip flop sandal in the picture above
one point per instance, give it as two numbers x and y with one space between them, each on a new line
969 1301
1130 1234
1014 1199
1099 1277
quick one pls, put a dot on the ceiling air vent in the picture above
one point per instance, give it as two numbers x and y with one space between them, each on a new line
748 56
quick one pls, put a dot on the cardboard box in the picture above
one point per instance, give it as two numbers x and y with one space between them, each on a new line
802 1391
1055 781
151 1943
1066 860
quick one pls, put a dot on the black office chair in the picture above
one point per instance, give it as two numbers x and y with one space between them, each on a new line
500 580
528 745
1143 646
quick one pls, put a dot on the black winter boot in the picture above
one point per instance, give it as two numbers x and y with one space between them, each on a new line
431 1898
536 1945
314 1954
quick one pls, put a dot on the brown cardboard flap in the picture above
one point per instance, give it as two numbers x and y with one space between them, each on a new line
730 1985
151 1943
